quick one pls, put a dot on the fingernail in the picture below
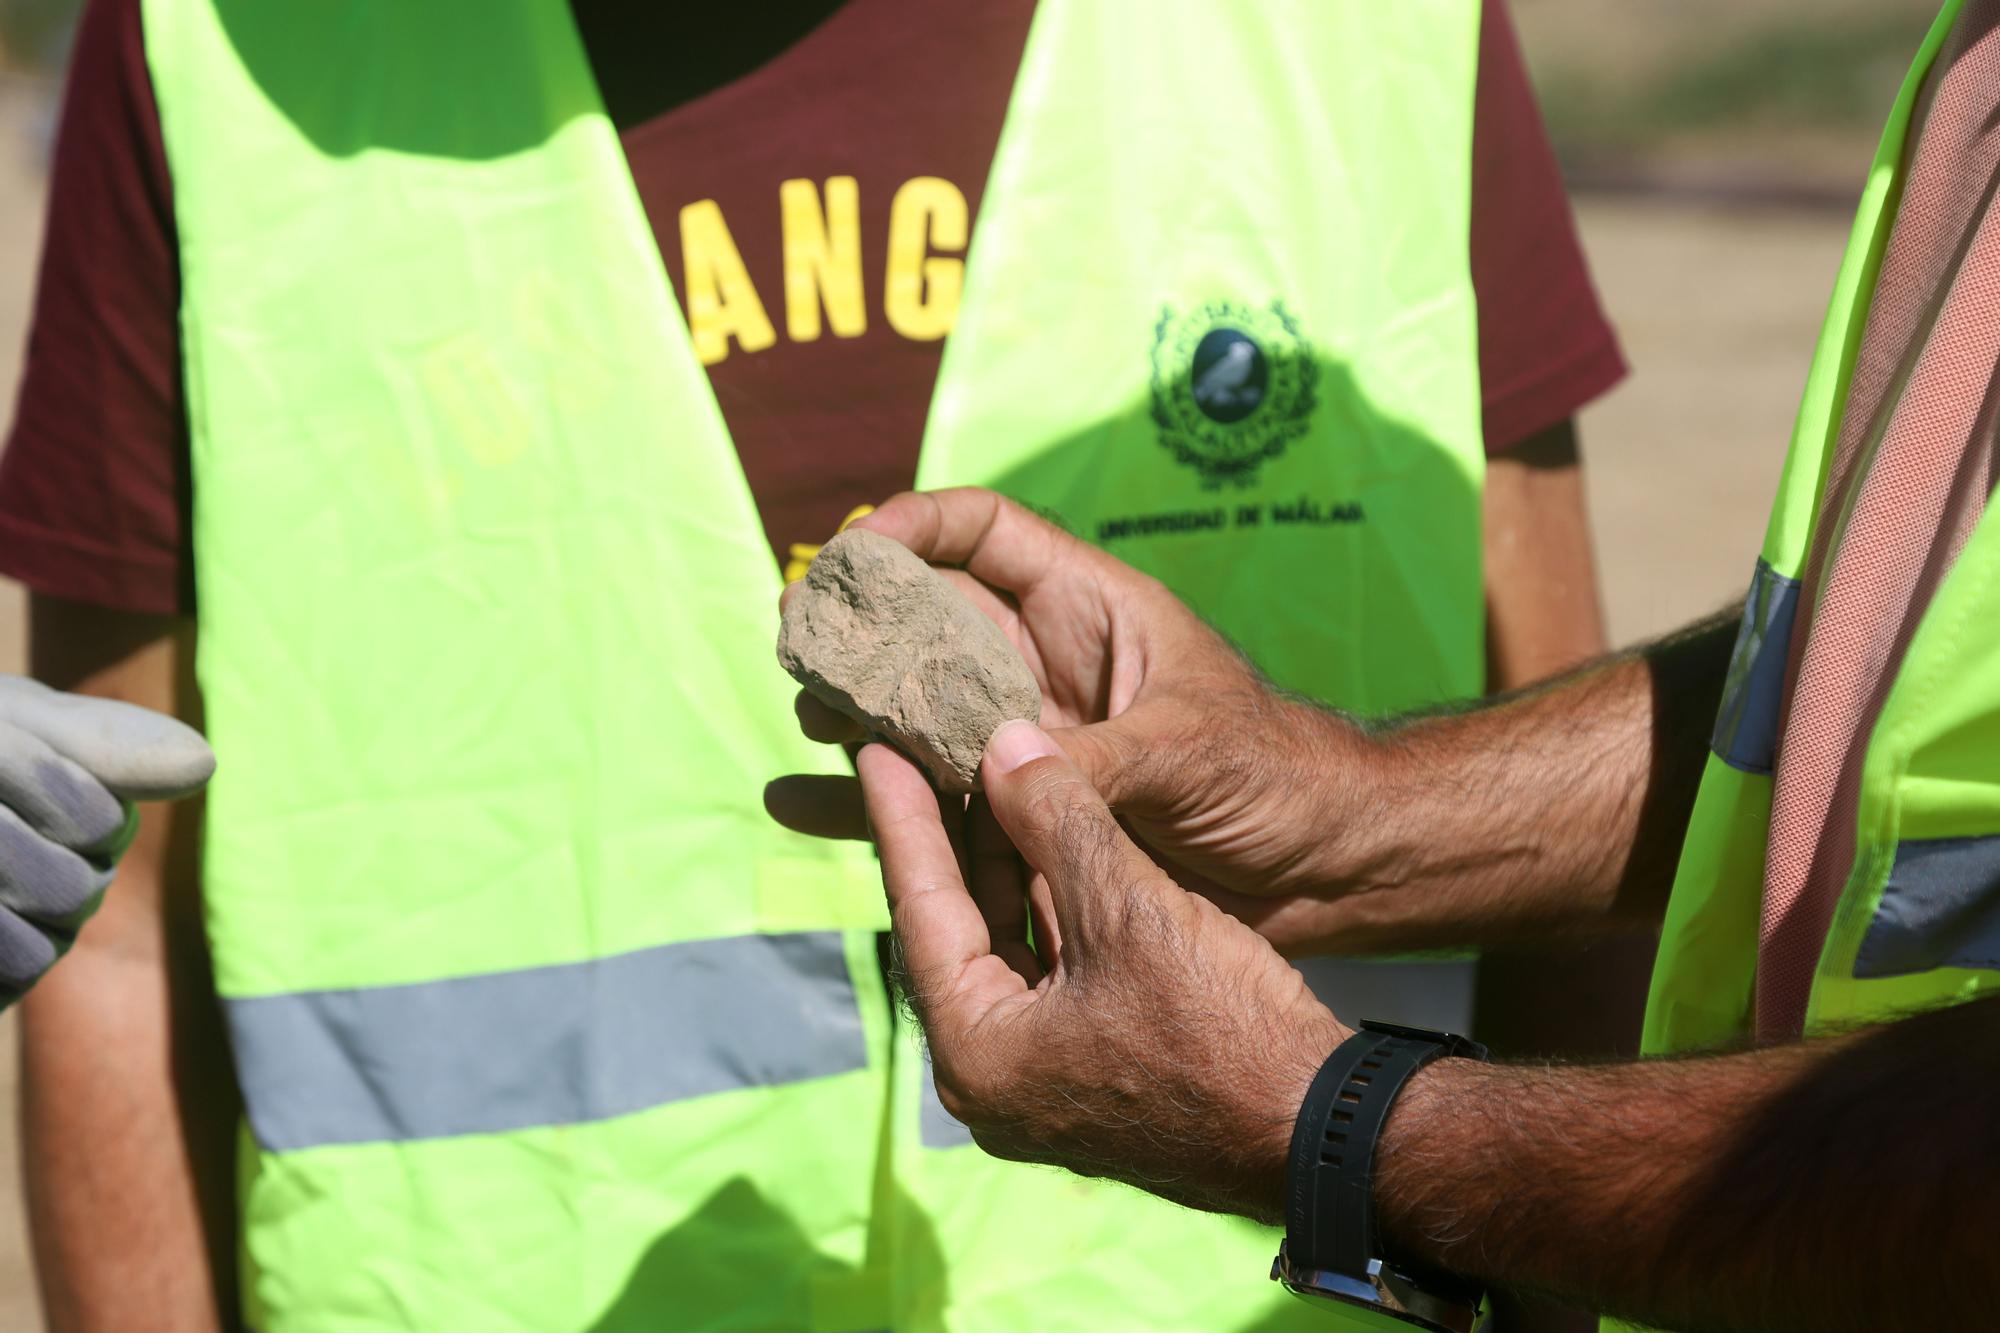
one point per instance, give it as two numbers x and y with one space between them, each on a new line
1015 744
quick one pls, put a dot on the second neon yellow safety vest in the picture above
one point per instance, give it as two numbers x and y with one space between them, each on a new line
540 1023
1918 922
1919 918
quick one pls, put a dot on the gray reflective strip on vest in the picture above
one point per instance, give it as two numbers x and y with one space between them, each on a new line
1940 908
558 1045
1746 727
935 1126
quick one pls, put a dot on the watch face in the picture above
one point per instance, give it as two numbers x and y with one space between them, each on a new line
1387 1301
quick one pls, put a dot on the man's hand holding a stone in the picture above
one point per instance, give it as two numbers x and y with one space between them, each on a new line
1095 946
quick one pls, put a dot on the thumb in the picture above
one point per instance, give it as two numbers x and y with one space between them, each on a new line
1108 756
135 752
1052 814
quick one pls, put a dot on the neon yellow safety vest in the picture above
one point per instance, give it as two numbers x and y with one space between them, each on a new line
1918 923
540 1022
1919 918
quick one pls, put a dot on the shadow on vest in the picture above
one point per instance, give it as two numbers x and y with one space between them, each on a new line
697 1275
452 80
1345 562
1358 582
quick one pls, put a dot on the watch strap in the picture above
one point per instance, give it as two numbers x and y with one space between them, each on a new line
1330 1208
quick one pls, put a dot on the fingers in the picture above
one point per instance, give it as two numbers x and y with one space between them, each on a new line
832 807
25 953
1047 939
1096 876
49 885
818 806
997 879
823 722
995 539
953 977
136 753
55 796
1109 755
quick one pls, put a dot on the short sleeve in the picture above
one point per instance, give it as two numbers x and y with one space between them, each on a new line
1545 347
94 479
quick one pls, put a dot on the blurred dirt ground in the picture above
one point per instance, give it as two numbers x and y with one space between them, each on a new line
1718 311
1791 91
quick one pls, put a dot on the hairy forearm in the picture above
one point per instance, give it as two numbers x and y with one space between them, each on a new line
1560 808
1841 1185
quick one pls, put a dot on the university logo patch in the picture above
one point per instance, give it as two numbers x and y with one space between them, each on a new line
1232 386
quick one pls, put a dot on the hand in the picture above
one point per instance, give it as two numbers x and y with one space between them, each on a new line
70 766
1240 788
1147 1036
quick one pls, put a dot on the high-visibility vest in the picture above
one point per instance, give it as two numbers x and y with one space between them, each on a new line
540 1022
1918 922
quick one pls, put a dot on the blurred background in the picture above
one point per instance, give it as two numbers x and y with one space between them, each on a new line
1715 148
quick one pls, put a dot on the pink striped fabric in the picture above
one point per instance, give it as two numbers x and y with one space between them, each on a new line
1912 470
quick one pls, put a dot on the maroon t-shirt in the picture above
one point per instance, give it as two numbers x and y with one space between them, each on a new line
724 118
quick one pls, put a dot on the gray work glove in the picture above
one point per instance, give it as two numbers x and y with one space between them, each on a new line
70 768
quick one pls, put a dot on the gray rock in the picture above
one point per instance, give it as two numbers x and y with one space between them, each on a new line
881 636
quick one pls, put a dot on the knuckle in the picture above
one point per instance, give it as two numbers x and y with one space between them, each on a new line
1153 590
1048 795
1086 844
1150 921
955 1101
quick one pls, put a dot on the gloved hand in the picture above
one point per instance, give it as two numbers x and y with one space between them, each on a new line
70 768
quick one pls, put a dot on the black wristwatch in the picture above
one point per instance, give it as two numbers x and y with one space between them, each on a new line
1330 1251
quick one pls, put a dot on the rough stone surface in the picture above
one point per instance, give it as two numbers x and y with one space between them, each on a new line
881 636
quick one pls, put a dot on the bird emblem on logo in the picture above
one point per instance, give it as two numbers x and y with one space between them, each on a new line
1232 386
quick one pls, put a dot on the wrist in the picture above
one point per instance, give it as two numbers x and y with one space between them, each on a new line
1419 1206
1351 774
1335 1247
1281 1084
